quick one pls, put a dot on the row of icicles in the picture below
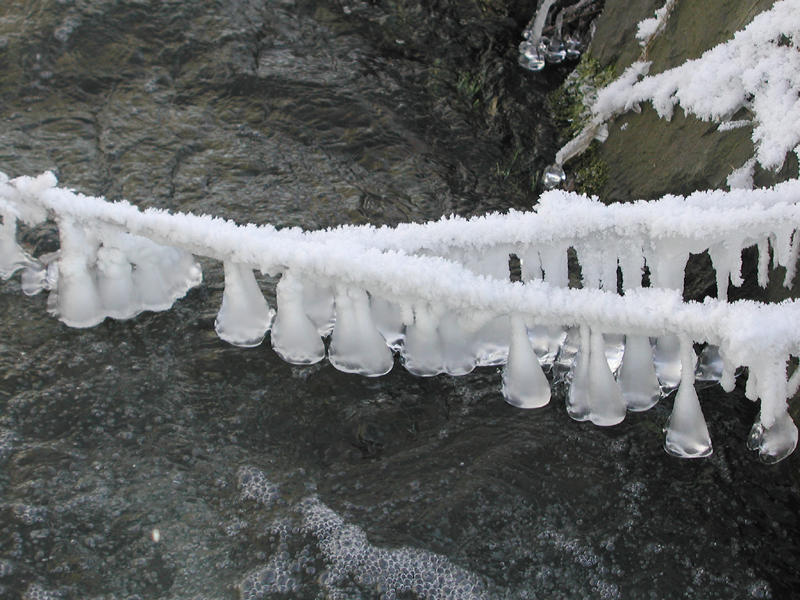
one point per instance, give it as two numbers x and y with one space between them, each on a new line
108 273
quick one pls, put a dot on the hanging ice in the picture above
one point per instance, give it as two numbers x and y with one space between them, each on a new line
294 337
687 433
594 394
637 376
356 345
244 317
524 382
422 350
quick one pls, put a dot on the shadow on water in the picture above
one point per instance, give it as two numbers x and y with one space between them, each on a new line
317 113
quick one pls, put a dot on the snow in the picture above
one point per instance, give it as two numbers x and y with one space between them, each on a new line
649 28
440 293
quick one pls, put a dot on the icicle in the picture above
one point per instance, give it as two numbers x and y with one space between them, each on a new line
388 317
161 274
356 345
115 283
784 252
244 317
637 376
774 434
686 431
667 360
564 365
751 386
727 379
491 262
422 351
791 262
76 301
294 337
531 264
727 260
524 382
12 256
458 347
763 263
632 266
319 306
555 265
594 393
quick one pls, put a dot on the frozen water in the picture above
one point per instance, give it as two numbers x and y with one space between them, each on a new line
637 375
709 365
356 344
388 317
422 351
553 176
319 306
594 394
775 442
686 430
524 382
244 317
294 337
491 342
667 358
458 345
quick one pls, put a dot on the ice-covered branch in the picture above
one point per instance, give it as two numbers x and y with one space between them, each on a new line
440 294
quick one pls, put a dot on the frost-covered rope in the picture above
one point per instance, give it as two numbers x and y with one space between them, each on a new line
116 260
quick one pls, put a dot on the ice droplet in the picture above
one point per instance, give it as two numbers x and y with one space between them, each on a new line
553 177
776 442
686 430
244 317
594 394
524 382
637 375
294 337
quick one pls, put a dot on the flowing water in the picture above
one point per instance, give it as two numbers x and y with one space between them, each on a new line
128 451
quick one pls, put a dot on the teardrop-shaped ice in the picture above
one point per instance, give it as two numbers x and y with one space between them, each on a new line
524 382
77 303
244 317
594 393
667 360
294 337
422 350
457 345
637 375
564 365
776 442
115 283
687 433
356 345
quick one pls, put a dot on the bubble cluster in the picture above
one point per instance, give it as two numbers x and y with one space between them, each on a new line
254 485
348 561
37 592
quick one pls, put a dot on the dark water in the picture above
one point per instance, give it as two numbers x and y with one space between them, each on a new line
318 113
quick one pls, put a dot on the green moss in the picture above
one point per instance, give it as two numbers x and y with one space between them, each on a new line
590 172
569 104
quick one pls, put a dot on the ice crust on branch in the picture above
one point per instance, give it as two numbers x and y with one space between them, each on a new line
757 70
441 296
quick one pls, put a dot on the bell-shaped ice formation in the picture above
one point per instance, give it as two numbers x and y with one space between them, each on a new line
637 375
356 344
244 317
524 382
775 442
491 342
161 274
294 337
76 301
458 347
115 283
710 365
667 360
422 351
594 394
686 430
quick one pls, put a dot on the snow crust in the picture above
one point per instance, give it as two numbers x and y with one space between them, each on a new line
757 71
441 295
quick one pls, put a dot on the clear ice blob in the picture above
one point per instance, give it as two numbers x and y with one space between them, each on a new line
637 375
775 442
556 51
614 350
422 351
12 256
564 365
546 342
244 317
531 63
294 337
686 430
594 394
553 177
524 382
573 48
667 360
356 344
